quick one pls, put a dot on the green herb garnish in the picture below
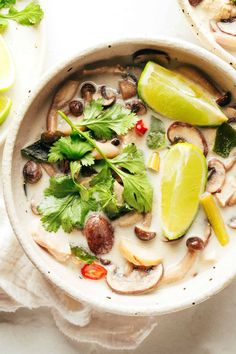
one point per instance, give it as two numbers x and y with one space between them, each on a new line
105 123
7 3
83 255
225 140
37 151
31 15
156 137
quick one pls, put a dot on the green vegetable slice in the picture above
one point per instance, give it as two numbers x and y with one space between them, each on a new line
83 255
225 140
31 15
156 137
37 151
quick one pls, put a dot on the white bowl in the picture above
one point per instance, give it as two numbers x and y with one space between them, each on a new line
200 25
32 119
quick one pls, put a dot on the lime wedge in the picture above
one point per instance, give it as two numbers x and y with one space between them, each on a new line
174 96
7 68
5 106
214 216
183 181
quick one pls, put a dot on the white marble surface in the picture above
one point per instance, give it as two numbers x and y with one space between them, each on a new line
205 329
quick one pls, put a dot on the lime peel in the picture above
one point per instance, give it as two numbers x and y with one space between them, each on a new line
5 106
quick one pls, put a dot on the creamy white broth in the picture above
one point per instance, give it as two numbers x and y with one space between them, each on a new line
170 252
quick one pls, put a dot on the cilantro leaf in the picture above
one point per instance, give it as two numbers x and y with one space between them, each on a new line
87 160
156 137
131 159
68 212
70 147
61 187
138 191
65 204
6 3
75 168
83 255
31 15
104 123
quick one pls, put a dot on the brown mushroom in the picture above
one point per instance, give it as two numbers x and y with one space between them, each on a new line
195 243
87 90
230 163
108 149
76 108
137 107
49 169
49 137
180 270
142 56
225 99
138 281
128 89
200 78
118 69
232 223
216 176
108 95
144 235
32 172
195 2
99 233
130 219
185 132
232 199
34 207
227 26
61 99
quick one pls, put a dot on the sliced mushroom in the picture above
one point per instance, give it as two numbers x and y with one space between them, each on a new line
180 270
227 192
32 172
34 207
58 246
181 132
49 169
144 55
232 199
144 235
87 90
127 89
194 74
130 219
232 223
230 163
136 282
138 254
108 95
216 176
227 26
137 107
107 148
225 40
147 220
61 99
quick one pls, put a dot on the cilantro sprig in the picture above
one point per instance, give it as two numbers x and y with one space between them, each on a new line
83 255
31 15
138 192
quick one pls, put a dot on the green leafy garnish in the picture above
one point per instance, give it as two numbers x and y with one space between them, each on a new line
104 123
31 15
131 159
71 148
138 192
225 140
156 135
65 204
6 3
83 255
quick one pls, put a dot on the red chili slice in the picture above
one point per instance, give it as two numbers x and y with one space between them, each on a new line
140 127
93 271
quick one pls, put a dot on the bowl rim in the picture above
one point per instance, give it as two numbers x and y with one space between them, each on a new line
53 277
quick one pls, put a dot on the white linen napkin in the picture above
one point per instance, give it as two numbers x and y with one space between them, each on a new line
22 285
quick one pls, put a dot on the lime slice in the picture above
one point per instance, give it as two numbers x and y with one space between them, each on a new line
214 216
174 96
183 181
5 106
7 68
